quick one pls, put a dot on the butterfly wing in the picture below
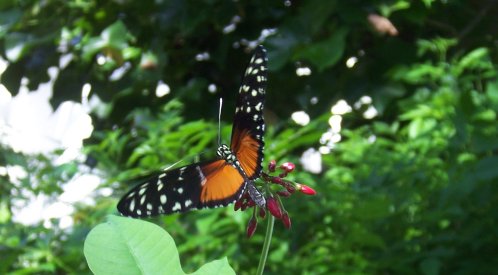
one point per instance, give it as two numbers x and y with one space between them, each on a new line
248 125
223 184
195 186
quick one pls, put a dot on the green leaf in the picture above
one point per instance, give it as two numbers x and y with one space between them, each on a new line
315 14
492 93
421 126
476 59
114 38
372 209
428 3
130 246
280 49
328 52
358 235
421 73
430 266
387 10
486 115
486 168
7 19
437 45
116 35
220 266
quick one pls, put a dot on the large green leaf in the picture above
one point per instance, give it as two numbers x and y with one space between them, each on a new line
130 246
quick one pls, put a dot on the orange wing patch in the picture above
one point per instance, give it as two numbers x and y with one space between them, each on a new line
246 148
221 181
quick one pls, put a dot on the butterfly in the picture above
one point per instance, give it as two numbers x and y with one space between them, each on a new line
218 182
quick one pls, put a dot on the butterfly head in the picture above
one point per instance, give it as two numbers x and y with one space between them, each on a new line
225 153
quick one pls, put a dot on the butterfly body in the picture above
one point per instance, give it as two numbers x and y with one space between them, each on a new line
218 182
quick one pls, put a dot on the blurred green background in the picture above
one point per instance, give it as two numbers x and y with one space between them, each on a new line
387 107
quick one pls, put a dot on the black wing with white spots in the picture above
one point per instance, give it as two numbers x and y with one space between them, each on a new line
248 124
172 191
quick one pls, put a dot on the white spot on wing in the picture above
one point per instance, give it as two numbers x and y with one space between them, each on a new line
132 205
177 206
163 199
188 203
180 190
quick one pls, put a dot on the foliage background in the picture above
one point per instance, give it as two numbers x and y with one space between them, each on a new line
410 191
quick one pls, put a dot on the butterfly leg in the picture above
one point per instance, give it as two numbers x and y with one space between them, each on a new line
255 194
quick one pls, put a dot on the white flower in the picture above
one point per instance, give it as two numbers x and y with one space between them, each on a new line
341 108
301 118
29 125
311 160
162 89
370 113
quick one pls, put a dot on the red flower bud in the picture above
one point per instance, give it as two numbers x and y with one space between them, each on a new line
291 189
286 220
306 189
276 180
282 175
283 193
262 213
243 206
251 227
250 203
238 205
288 167
272 165
273 207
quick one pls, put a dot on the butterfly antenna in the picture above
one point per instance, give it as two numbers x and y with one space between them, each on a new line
173 165
195 157
219 122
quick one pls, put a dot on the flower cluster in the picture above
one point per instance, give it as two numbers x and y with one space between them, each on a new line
275 188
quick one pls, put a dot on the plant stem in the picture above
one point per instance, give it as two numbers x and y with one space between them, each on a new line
266 244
